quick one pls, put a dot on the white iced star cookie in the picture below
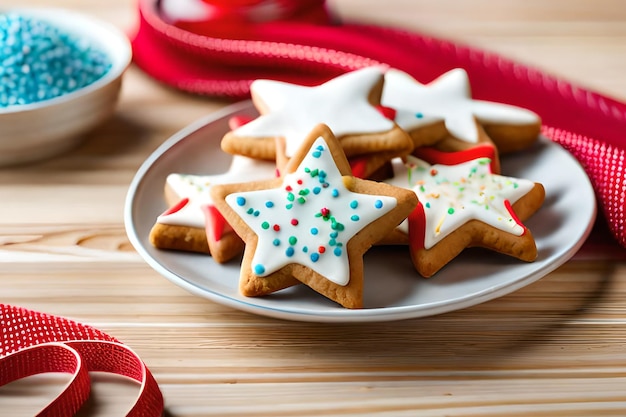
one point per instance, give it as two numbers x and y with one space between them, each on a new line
190 224
449 98
465 205
347 104
313 224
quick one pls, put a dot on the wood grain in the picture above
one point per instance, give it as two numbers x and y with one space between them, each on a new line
554 348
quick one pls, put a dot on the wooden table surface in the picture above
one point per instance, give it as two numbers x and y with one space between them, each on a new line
556 347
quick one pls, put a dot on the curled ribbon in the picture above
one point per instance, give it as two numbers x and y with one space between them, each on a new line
34 343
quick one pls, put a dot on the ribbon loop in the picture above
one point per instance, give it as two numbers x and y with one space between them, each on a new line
34 343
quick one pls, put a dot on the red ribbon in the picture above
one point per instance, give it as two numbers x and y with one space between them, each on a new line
222 56
34 343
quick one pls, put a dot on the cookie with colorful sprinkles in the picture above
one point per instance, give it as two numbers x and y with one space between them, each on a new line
465 205
191 223
313 224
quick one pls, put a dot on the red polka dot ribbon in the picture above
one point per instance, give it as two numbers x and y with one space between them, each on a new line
34 343
218 48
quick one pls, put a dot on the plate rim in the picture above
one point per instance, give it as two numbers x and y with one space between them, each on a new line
376 314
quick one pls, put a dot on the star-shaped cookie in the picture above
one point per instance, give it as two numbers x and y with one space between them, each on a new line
313 224
191 224
347 104
449 98
465 205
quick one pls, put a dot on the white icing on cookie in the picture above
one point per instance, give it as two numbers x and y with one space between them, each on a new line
196 188
309 219
451 195
449 98
294 110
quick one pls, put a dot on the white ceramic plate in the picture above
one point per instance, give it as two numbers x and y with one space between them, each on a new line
393 290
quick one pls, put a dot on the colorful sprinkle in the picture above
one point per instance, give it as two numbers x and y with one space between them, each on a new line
294 222
354 204
378 204
259 269
354 218
269 204
241 201
315 257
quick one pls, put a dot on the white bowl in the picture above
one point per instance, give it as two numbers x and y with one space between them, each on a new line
47 128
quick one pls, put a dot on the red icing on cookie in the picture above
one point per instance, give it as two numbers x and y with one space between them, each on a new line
435 156
358 167
238 121
215 222
388 112
516 219
417 227
176 207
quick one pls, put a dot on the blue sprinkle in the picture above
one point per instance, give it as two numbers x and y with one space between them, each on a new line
256 213
335 192
314 230
332 242
334 234
354 218
316 190
378 204
38 61
241 201
289 252
316 154
315 257
305 249
354 204
259 269
337 251
276 242
419 115
269 204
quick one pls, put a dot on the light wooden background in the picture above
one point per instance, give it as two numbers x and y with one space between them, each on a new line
557 347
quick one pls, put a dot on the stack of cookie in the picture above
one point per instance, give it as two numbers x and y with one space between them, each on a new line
370 157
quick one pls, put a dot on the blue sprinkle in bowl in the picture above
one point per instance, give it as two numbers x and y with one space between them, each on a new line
43 129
